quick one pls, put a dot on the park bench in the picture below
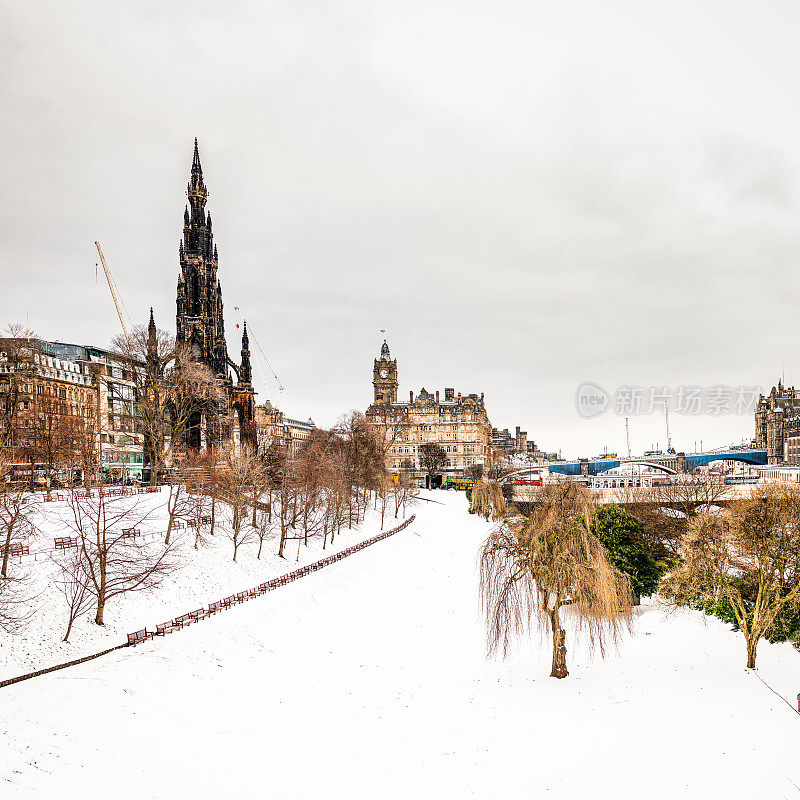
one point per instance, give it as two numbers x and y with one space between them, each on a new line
178 523
183 619
164 628
201 613
214 607
205 520
138 636
227 602
131 533
18 549
65 542
240 597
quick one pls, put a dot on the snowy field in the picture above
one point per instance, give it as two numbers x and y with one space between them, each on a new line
368 680
202 576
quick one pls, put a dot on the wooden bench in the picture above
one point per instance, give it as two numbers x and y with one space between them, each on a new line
183 619
226 602
138 636
178 523
65 542
213 608
131 533
199 614
205 520
163 628
18 549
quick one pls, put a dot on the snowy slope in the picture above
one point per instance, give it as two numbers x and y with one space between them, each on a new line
203 576
368 680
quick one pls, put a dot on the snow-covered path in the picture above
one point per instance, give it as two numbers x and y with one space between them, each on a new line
368 680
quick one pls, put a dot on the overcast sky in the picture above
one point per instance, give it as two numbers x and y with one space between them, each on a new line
526 195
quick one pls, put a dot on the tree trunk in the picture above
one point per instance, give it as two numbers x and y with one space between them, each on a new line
101 605
69 629
283 540
6 549
752 645
559 669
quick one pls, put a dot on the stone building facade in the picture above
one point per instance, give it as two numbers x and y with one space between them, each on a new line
776 420
88 391
504 441
458 423
273 429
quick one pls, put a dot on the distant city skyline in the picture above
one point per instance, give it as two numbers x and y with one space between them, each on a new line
525 197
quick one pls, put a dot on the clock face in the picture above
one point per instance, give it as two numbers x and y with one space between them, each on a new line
384 373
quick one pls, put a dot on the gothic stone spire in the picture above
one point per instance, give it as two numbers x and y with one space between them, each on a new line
200 323
246 374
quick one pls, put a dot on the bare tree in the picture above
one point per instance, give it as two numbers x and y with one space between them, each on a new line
263 529
749 560
690 494
474 472
245 473
499 468
18 349
17 518
432 458
171 388
73 584
112 560
16 600
177 504
550 561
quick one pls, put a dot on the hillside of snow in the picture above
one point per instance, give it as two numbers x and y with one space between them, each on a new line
368 679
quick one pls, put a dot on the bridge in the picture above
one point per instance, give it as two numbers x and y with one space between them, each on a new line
668 463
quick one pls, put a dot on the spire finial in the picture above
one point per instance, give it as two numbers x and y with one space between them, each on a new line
196 189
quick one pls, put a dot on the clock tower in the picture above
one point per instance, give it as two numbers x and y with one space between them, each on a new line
384 377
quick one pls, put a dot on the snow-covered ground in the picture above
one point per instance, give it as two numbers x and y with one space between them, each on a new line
368 680
202 576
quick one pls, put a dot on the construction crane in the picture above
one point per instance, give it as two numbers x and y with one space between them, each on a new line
240 319
112 289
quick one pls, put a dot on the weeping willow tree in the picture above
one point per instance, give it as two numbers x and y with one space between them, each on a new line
487 500
532 570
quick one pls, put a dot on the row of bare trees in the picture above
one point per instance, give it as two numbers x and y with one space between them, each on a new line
331 484
235 492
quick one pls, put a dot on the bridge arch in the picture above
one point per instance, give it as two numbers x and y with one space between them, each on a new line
653 464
